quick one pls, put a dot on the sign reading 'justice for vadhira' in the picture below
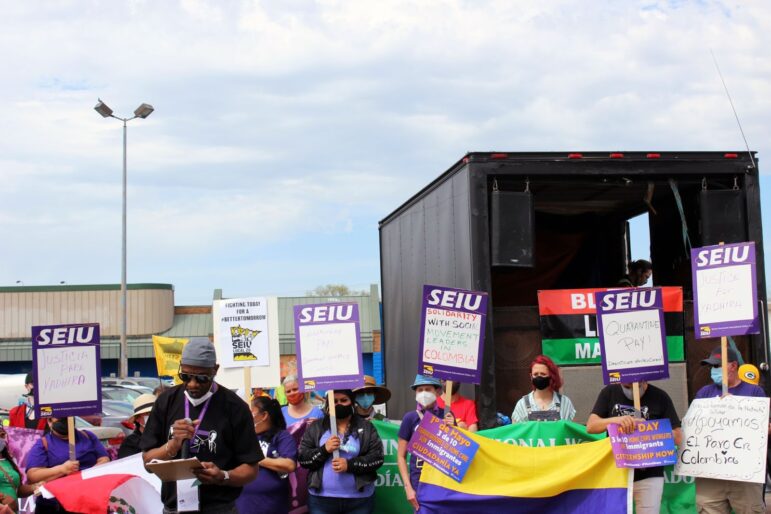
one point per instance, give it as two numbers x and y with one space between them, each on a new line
725 438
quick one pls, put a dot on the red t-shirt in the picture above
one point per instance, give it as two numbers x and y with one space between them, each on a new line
463 409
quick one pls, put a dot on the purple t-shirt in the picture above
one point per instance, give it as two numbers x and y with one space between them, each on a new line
341 485
743 389
269 492
410 422
88 449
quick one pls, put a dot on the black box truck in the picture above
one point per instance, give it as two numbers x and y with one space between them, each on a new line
513 224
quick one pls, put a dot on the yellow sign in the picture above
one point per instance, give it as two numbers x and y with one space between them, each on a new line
168 353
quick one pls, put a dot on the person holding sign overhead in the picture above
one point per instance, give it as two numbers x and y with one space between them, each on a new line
49 458
544 402
344 484
720 496
207 421
615 405
463 409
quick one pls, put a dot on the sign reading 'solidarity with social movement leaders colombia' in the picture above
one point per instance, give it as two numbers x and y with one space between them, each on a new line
452 333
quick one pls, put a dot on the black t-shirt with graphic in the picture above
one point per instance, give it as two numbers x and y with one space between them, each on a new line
654 404
225 437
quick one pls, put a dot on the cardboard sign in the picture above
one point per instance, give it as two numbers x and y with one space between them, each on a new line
328 346
452 333
66 368
652 444
241 332
568 319
632 337
443 446
725 294
725 438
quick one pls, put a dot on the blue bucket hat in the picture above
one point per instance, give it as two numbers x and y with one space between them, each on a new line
422 380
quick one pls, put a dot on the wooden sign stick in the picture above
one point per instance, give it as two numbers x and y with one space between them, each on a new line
447 396
724 363
248 385
636 396
71 436
332 419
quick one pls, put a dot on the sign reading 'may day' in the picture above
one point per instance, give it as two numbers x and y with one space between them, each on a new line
66 370
632 337
452 333
725 294
328 346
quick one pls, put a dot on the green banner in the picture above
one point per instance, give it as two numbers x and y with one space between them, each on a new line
679 491
586 350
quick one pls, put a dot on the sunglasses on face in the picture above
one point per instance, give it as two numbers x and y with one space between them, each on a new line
201 379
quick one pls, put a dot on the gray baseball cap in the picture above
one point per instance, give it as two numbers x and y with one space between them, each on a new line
199 352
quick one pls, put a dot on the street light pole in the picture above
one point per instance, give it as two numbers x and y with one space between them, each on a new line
143 111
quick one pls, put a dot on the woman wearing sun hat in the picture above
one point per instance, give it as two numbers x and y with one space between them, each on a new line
366 397
143 404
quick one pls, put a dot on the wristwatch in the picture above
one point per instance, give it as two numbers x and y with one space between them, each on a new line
226 477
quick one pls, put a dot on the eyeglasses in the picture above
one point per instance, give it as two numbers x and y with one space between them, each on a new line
201 379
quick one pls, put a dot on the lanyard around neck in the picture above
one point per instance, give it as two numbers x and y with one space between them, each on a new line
201 416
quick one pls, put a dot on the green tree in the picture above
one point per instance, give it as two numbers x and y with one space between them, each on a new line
336 290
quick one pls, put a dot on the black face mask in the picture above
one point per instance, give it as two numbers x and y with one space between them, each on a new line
541 382
343 411
60 427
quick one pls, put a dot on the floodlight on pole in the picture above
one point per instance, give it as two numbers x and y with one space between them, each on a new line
143 111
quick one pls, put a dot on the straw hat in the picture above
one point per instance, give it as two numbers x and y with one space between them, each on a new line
143 404
382 394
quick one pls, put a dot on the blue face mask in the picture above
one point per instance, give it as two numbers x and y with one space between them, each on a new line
365 400
717 375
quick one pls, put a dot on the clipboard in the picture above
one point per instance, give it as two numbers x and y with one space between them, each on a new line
173 470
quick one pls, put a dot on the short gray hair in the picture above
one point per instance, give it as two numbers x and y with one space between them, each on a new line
289 379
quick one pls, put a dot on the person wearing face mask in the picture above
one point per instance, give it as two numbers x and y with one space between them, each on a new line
345 484
615 405
427 390
199 418
49 458
270 491
366 397
544 402
721 496
142 407
23 415
298 407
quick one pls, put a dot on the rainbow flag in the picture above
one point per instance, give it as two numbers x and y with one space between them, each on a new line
576 479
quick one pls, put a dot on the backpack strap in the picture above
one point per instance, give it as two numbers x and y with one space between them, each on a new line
528 406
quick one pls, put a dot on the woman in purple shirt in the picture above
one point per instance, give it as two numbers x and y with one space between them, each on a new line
270 491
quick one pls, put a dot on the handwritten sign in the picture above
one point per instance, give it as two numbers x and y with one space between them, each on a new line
631 327
725 438
652 444
328 346
241 332
725 293
66 370
452 333
443 446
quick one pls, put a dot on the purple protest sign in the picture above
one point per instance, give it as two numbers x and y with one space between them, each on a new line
328 346
652 444
725 292
452 333
443 446
633 342
66 368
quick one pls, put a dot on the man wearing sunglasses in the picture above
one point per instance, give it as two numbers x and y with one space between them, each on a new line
199 418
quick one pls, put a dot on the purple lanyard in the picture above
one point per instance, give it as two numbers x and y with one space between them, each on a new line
201 416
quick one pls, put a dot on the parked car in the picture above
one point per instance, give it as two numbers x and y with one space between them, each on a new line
133 382
109 436
117 414
123 394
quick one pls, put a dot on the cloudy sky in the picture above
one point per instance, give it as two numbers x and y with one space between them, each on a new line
285 130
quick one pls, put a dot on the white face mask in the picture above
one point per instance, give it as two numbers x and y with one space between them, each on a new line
425 398
198 401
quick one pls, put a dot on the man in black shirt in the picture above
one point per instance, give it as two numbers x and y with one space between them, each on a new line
221 434
615 404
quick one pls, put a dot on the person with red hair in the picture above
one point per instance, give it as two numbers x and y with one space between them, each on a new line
544 402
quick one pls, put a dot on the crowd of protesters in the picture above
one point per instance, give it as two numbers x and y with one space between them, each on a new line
247 454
